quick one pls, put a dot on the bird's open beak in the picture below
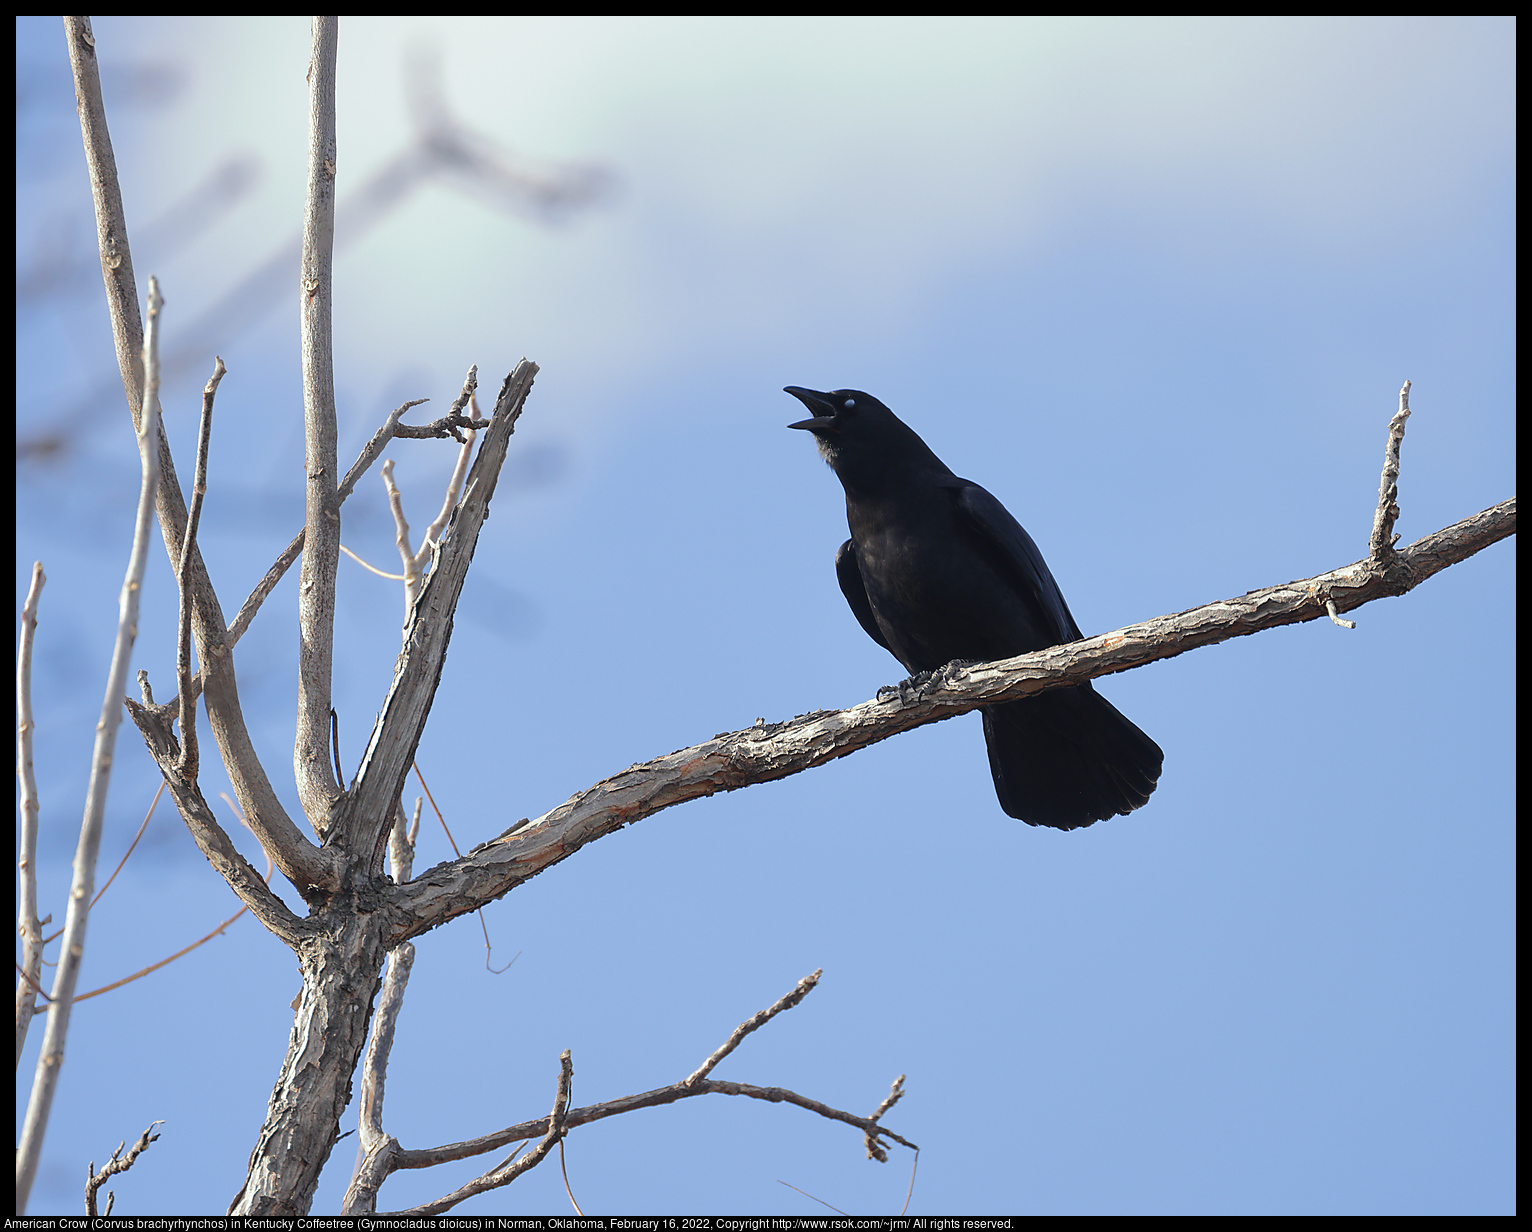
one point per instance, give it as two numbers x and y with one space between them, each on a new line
820 404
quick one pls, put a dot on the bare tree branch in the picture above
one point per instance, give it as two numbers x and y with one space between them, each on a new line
310 869
341 962
412 561
268 583
511 1168
455 481
1380 544
375 1149
51 1059
874 1147
367 810
28 925
411 576
754 1023
249 886
94 1180
687 1087
111 223
188 703
317 788
772 751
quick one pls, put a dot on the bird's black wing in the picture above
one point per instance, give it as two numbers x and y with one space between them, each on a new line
1010 548
850 574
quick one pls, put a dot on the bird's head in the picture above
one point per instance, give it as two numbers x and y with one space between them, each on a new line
841 418
858 436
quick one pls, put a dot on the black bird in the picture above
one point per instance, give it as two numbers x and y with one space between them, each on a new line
937 570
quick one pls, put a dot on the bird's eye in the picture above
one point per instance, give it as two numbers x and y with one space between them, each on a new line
849 403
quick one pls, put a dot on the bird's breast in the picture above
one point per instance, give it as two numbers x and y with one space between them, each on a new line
936 596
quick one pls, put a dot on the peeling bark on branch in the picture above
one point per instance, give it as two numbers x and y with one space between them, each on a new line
774 751
342 970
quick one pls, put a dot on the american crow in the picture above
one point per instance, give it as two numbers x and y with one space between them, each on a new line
937 570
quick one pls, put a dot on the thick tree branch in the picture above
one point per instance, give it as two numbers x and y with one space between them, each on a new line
307 867
773 751
315 777
341 964
376 1149
368 808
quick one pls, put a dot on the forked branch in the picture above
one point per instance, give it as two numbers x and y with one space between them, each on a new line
117 1163
551 1127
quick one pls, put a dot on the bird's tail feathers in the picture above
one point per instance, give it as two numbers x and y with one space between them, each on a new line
1067 758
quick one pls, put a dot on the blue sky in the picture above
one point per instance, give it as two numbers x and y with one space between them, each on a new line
1154 283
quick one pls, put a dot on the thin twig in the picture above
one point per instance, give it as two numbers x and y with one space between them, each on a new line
164 962
392 577
181 953
1381 543
874 1147
455 482
437 429
413 560
374 448
811 1197
910 1192
94 1180
511 1168
565 1171
1335 616
188 762
28 925
142 826
754 1023
411 575
370 454
447 830
50 1060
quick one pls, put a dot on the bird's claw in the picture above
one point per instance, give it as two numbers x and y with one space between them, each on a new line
907 690
944 674
911 688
